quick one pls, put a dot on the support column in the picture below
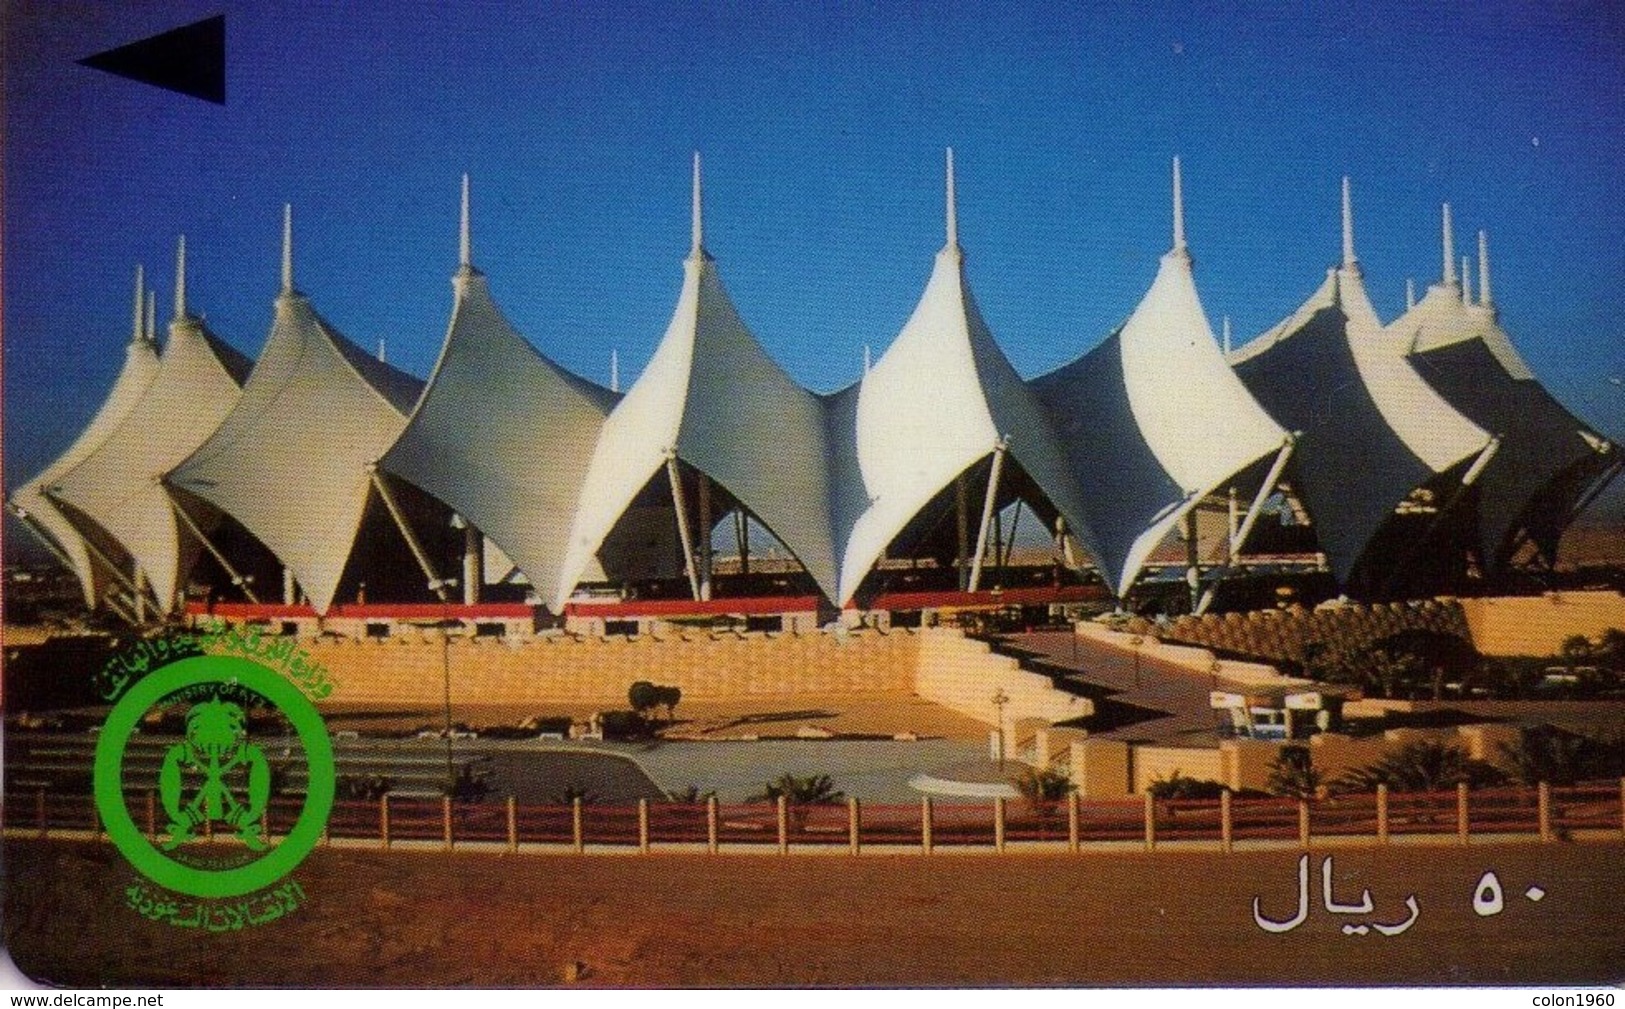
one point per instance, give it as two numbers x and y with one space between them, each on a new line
961 527
680 506
703 540
742 538
1253 511
236 578
436 585
988 502
290 588
1233 526
1193 560
473 564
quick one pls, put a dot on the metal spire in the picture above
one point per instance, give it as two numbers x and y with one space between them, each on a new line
1227 335
1466 280
152 316
614 370
287 248
1348 227
952 215
137 331
867 359
1484 296
1179 210
464 245
180 278
1410 293
381 349
1449 249
699 227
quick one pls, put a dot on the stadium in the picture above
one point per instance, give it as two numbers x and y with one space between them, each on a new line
1162 469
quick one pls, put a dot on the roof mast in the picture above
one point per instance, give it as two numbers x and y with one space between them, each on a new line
1349 261
1484 296
698 252
152 317
287 248
1410 293
1179 210
180 278
952 212
464 244
137 331
1449 249
1466 280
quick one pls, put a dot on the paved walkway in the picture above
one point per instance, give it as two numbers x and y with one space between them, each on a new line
1136 697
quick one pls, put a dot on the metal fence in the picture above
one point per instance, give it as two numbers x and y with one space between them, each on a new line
1543 812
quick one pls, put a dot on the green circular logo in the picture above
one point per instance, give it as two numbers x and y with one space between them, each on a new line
214 749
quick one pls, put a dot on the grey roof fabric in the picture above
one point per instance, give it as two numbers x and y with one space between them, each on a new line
1351 469
502 434
1546 456
1129 491
119 485
289 462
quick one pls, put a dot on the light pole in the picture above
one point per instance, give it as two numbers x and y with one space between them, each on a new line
1000 699
1137 641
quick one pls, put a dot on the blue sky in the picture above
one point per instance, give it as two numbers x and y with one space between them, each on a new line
822 128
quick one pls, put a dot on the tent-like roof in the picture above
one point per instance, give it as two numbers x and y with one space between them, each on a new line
713 398
290 460
942 398
1153 419
1465 355
199 380
140 367
1371 430
502 434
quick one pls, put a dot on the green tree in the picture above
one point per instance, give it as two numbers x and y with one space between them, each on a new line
1423 765
1293 774
812 790
668 698
1546 753
1180 786
643 696
1043 790
690 795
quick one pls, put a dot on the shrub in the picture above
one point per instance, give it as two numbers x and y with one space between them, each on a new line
1293 774
1179 786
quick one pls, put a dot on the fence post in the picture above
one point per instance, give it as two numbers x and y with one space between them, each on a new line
40 813
1303 823
1072 821
1227 842
1382 813
853 841
998 823
711 824
513 824
1545 793
152 814
383 819
784 825
643 826
578 836
1462 823
925 824
445 818
1150 822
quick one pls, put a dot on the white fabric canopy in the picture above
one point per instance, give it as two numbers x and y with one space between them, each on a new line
119 485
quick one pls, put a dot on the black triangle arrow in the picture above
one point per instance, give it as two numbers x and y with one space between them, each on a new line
190 59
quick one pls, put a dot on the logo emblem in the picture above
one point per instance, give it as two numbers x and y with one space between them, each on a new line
218 775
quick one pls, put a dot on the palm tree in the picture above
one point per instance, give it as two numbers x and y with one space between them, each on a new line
1293 774
813 790
1043 789
1423 765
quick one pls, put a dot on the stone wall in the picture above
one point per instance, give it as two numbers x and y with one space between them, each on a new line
1538 625
409 670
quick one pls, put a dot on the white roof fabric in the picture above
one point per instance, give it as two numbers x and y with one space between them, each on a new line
140 367
1189 411
712 395
940 399
290 460
502 435
119 485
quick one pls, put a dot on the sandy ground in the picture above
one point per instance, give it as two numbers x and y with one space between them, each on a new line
1101 918
877 713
